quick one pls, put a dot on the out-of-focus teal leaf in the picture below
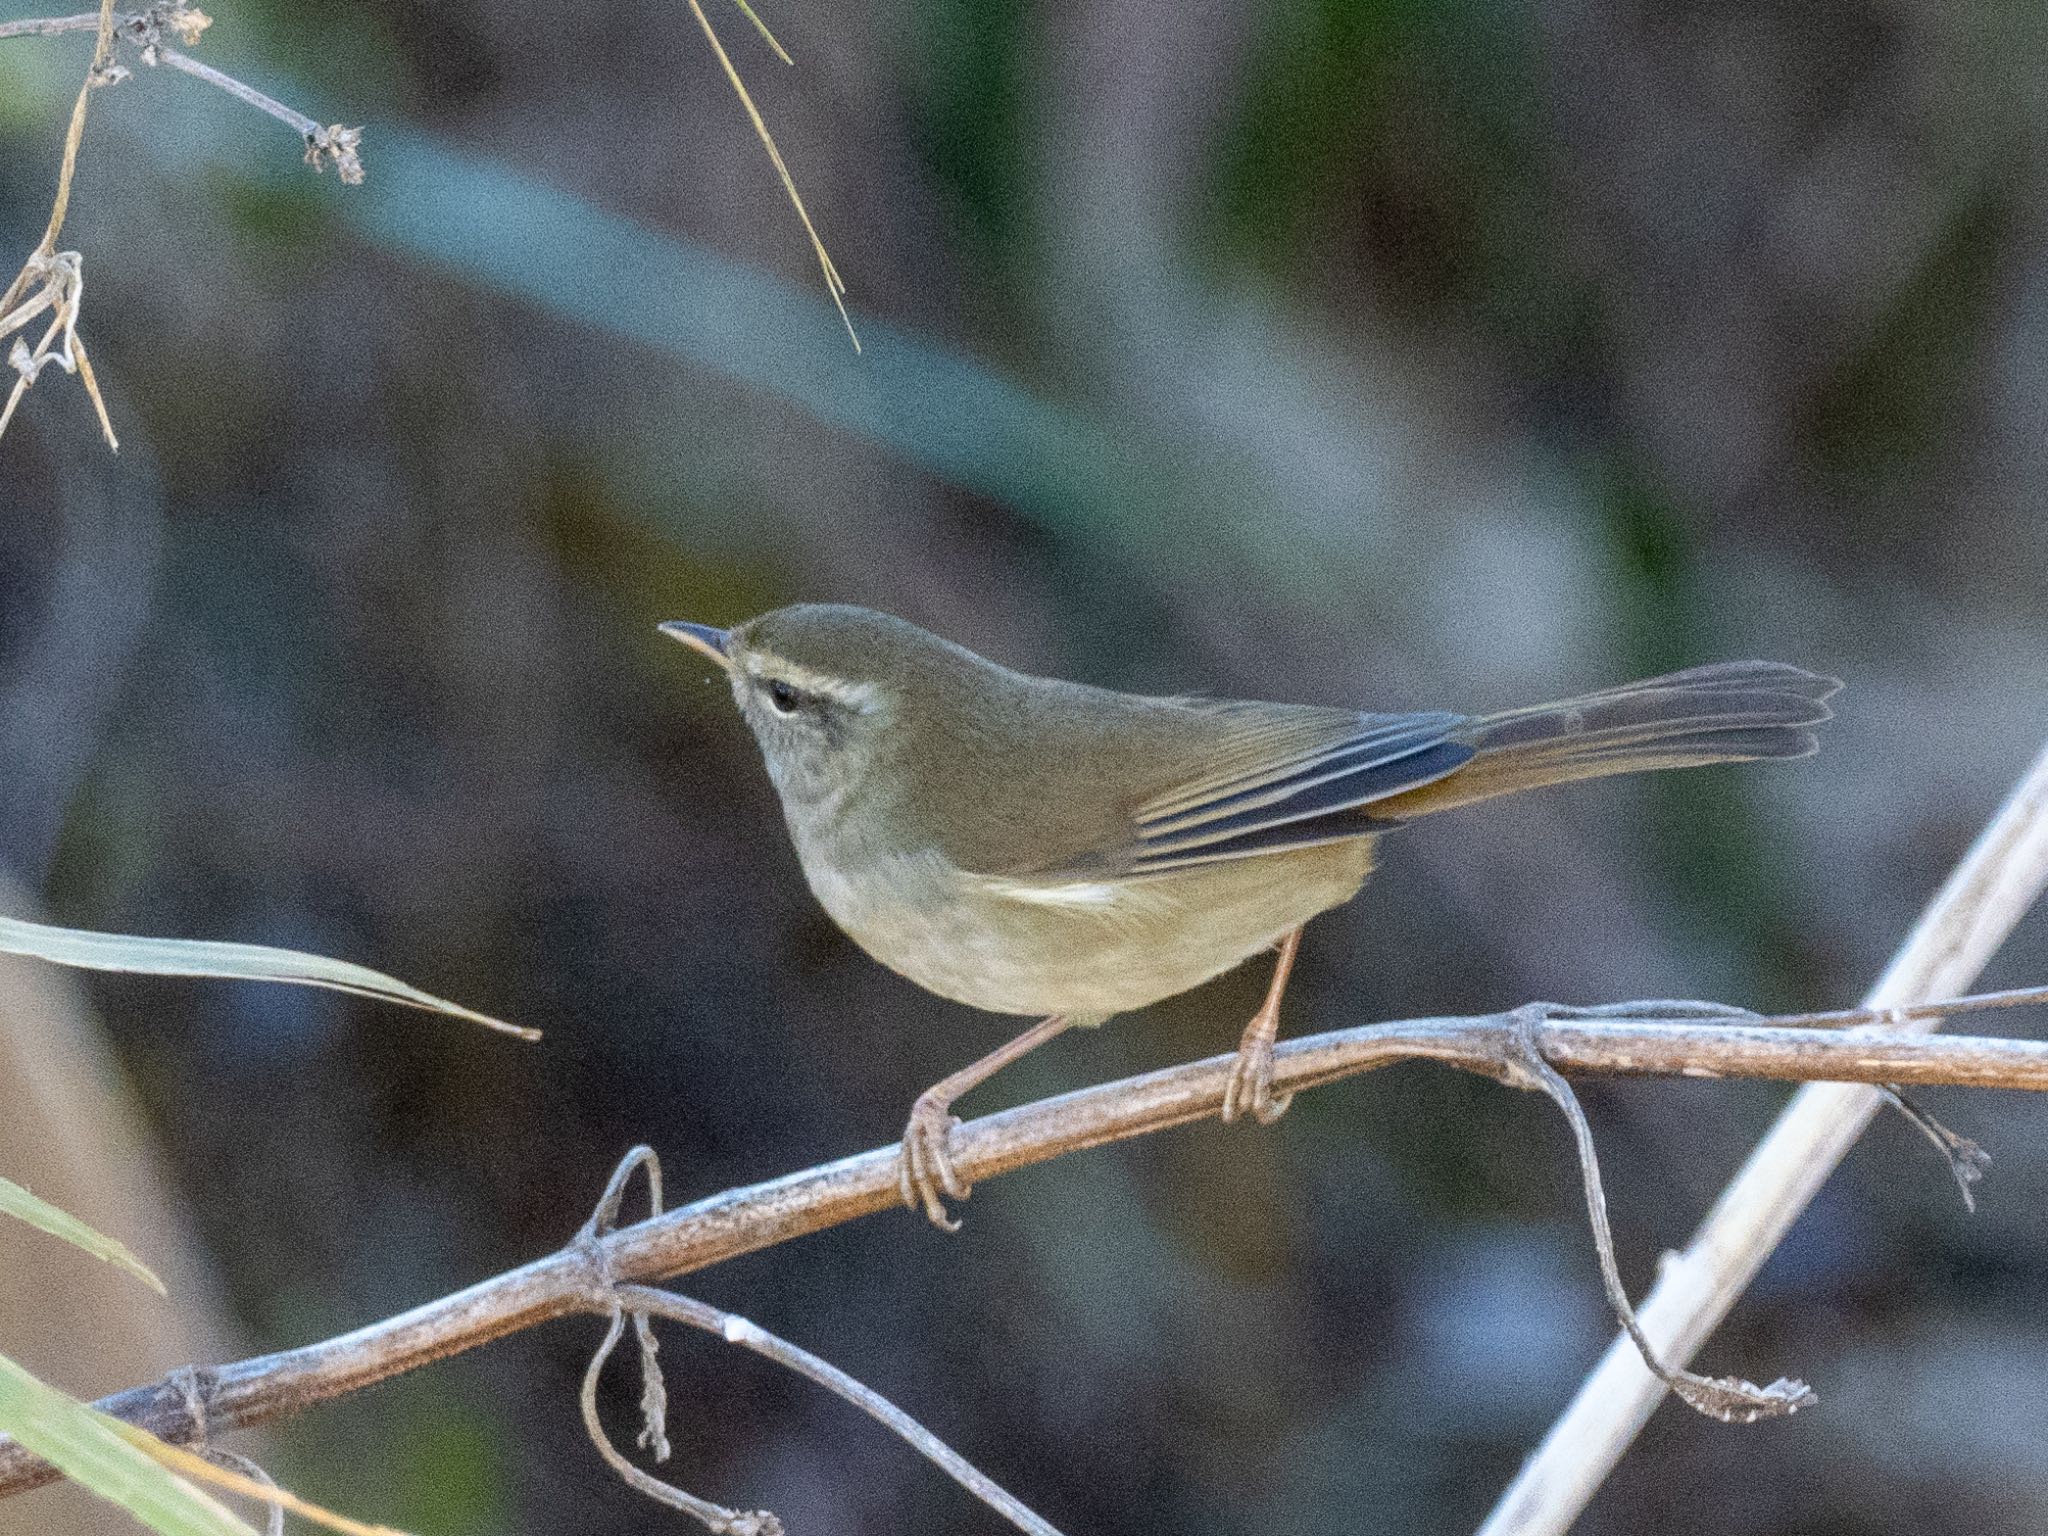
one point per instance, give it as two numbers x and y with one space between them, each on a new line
38 1212
239 962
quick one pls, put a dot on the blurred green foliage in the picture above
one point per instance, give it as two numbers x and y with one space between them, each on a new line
973 121
1897 401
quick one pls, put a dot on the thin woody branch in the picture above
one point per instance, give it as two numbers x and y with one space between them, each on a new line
145 30
745 1220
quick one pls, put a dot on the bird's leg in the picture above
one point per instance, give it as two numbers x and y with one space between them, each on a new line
1251 1075
926 1170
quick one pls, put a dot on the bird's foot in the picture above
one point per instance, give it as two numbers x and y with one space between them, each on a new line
925 1174
1250 1087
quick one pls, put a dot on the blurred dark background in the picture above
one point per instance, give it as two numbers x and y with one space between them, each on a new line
1381 352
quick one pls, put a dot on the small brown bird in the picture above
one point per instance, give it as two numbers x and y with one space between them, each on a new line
1032 846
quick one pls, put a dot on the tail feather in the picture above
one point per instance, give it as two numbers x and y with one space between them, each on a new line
1728 712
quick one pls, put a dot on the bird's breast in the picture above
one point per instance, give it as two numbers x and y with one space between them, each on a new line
1077 947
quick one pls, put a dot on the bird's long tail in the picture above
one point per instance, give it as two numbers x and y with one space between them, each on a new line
1728 712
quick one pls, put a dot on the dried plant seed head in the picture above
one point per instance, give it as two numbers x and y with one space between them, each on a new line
185 22
339 144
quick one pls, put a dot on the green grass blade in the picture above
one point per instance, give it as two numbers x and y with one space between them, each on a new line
76 1441
240 962
38 1212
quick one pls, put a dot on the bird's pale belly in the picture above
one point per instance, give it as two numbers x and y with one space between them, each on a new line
1082 948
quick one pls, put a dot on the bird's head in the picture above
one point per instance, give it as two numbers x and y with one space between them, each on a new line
834 694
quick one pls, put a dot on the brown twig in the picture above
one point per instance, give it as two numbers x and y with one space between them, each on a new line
748 1219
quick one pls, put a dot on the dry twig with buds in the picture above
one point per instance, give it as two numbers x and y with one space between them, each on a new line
52 281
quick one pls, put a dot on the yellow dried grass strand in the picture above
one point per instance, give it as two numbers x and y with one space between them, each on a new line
92 389
186 1464
761 26
75 134
833 284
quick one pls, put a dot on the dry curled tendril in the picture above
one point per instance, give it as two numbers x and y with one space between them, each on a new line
56 286
1730 1399
607 1294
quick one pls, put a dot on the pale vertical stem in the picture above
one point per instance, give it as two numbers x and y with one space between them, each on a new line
1986 895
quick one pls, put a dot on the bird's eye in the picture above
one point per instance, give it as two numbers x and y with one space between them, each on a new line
783 697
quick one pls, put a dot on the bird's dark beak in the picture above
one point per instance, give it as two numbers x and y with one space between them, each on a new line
701 637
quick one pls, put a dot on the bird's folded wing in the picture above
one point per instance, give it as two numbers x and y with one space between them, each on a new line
1281 781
